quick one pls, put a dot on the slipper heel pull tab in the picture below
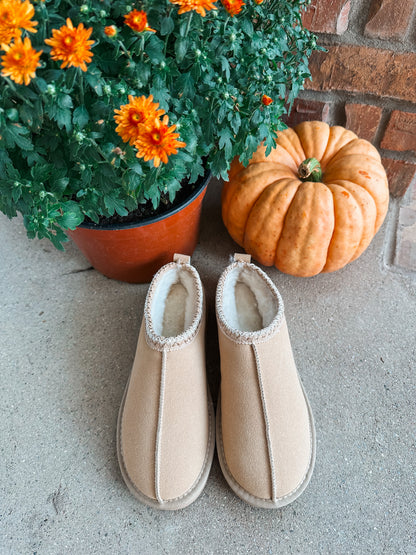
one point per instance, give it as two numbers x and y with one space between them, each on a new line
239 257
181 258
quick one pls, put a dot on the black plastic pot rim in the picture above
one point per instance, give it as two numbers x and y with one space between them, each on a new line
153 219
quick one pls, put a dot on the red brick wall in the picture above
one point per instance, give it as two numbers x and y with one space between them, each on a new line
366 80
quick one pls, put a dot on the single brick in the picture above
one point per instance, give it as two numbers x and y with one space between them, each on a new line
364 70
406 249
363 119
407 215
327 16
307 110
406 233
400 174
389 19
400 134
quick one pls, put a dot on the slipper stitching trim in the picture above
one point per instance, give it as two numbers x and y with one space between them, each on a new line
266 424
159 428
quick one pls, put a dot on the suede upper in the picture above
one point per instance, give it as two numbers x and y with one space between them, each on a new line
166 430
266 433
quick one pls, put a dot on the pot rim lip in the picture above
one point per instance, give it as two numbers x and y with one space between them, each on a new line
154 219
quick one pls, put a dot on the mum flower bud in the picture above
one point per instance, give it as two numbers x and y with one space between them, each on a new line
110 30
266 100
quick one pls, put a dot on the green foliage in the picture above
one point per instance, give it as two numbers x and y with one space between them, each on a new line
60 156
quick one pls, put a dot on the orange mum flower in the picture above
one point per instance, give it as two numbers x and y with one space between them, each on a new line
71 45
15 16
266 100
157 141
139 110
198 5
137 20
233 7
20 61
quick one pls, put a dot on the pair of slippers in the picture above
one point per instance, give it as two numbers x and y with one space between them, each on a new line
166 429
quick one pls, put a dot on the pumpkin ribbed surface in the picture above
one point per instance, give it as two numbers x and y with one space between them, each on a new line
307 227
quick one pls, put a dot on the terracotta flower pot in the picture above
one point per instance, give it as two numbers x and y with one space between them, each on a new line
134 252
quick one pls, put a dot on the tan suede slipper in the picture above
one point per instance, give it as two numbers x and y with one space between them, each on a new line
265 430
166 425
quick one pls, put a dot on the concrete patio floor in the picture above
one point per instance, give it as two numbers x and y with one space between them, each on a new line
67 342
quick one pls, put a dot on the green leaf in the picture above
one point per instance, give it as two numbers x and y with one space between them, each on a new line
63 118
26 92
26 115
41 84
270 144
186 85
183 26
160 93
5 161
70 77
219 166
80 117
143 72
57 237
93 78
33 157
181 48
154 49
37 116
41 173
256 118
52 75
13 135
173 187
71 215
222 112
114 205
64 101
59 185
263 131
247 27
225 142
196 71
16 193
225 65
197 169
251 143
137 168
132 181
167 25
235 122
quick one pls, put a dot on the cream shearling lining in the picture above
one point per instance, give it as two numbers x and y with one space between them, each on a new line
173 306
247 302
249 307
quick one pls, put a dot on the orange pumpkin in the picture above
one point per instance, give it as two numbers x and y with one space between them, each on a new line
313 205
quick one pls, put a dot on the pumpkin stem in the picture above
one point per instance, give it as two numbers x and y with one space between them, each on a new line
310 170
